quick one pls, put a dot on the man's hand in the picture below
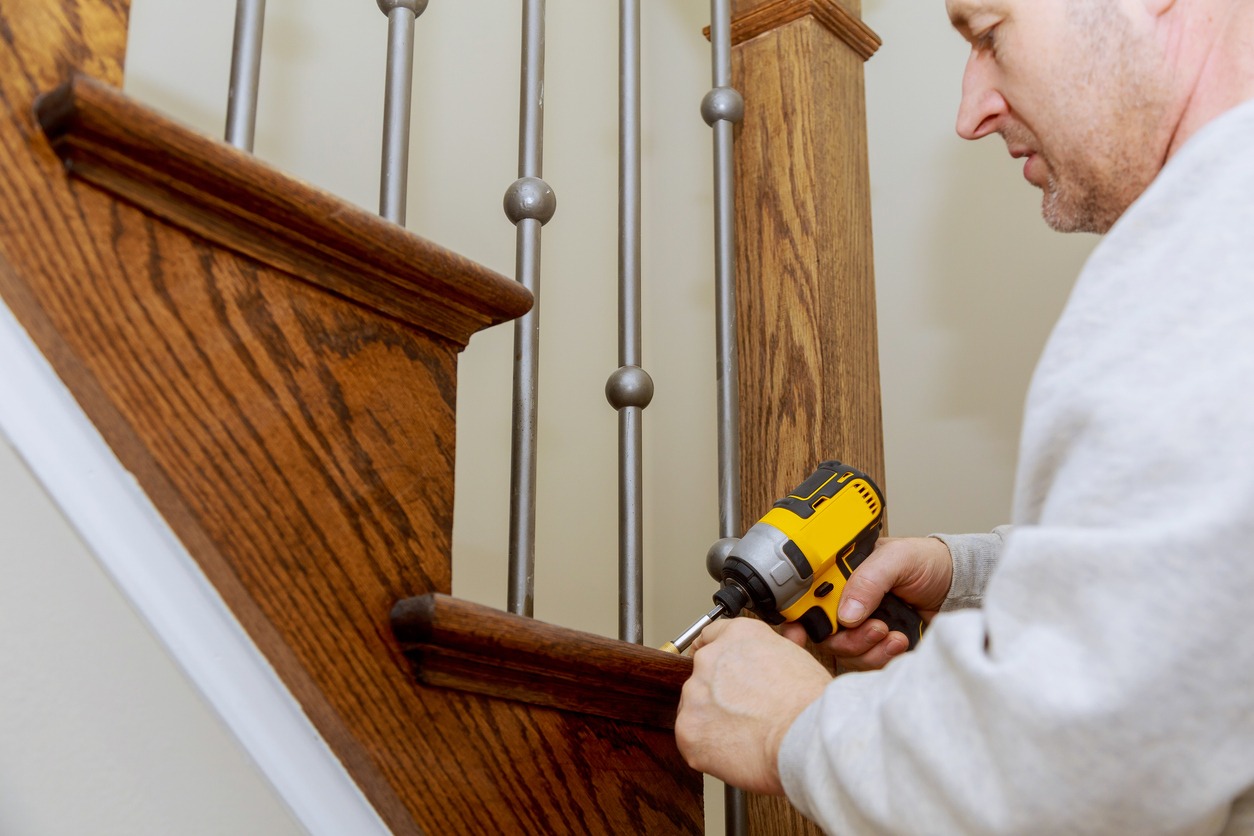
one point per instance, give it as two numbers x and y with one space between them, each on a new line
918 570
748 684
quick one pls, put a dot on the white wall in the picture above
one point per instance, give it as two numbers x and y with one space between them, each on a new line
102 732
969 281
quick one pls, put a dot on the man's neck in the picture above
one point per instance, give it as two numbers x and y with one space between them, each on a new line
1226 78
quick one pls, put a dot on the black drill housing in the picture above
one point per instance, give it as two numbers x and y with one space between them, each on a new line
742 586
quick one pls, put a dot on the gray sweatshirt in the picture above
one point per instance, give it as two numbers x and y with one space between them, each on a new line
1102 681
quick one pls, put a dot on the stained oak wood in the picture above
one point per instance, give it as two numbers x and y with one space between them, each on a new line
839 18
236 201
809 370
471 647
740 8
301 445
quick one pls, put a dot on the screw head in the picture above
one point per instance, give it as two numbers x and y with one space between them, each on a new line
723 103
415 6
530 197
629 386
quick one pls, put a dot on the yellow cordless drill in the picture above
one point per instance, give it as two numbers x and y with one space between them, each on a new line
792 564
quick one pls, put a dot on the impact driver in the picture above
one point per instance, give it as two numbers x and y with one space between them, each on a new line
792 564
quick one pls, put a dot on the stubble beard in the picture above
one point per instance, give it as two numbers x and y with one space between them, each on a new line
1083 206
1115 152
1091 194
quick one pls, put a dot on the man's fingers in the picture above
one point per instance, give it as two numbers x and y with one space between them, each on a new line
848 643
709 634
794 632
879 654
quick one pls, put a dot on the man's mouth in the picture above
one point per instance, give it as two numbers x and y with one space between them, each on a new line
1028 163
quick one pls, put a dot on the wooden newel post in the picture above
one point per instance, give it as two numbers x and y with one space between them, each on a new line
809 365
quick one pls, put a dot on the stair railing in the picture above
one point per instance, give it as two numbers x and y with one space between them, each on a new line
241 108
529 203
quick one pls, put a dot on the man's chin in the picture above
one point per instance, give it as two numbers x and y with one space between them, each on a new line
1067 219
1063 215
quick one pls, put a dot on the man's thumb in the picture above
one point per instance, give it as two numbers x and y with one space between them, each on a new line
866 588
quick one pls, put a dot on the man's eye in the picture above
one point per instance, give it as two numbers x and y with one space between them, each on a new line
987 40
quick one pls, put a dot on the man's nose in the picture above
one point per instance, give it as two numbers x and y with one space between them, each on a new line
982 108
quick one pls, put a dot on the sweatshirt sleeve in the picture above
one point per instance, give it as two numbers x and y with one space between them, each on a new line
1103 688
974 557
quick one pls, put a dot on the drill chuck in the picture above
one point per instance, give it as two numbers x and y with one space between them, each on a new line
732 597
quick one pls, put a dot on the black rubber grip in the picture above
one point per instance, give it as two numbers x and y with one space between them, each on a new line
818 626
900 616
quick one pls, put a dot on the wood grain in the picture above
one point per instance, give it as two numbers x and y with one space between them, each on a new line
301 446
234 200
459 644
740 7
809 369
750 20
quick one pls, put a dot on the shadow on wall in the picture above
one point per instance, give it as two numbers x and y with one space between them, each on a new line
1001 279
998 278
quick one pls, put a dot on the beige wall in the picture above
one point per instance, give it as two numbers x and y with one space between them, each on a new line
969 282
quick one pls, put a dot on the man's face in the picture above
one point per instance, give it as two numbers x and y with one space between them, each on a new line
1077 88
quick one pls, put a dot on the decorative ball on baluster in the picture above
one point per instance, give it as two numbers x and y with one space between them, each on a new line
717 556
415 6
528 198
723 103
629 386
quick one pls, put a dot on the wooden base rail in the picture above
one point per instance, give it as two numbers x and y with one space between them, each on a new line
470 647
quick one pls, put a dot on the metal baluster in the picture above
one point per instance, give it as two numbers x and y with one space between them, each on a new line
401 15
241 106
722 108
529 204
629 389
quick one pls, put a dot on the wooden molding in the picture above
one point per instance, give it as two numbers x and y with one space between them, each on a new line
233 199
773 14
470 647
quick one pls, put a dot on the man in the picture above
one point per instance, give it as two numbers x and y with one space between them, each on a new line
1094 671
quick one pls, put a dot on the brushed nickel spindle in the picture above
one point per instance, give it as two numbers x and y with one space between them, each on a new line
629 389
529 204
722 108
401 14
241 107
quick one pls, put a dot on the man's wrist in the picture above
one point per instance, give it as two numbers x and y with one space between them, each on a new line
974 556
802 698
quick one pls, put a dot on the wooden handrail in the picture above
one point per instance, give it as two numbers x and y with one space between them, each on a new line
235 200
470 647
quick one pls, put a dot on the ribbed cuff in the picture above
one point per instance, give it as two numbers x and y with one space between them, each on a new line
975 557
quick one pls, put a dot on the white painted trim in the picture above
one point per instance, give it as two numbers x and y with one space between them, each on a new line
102 500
